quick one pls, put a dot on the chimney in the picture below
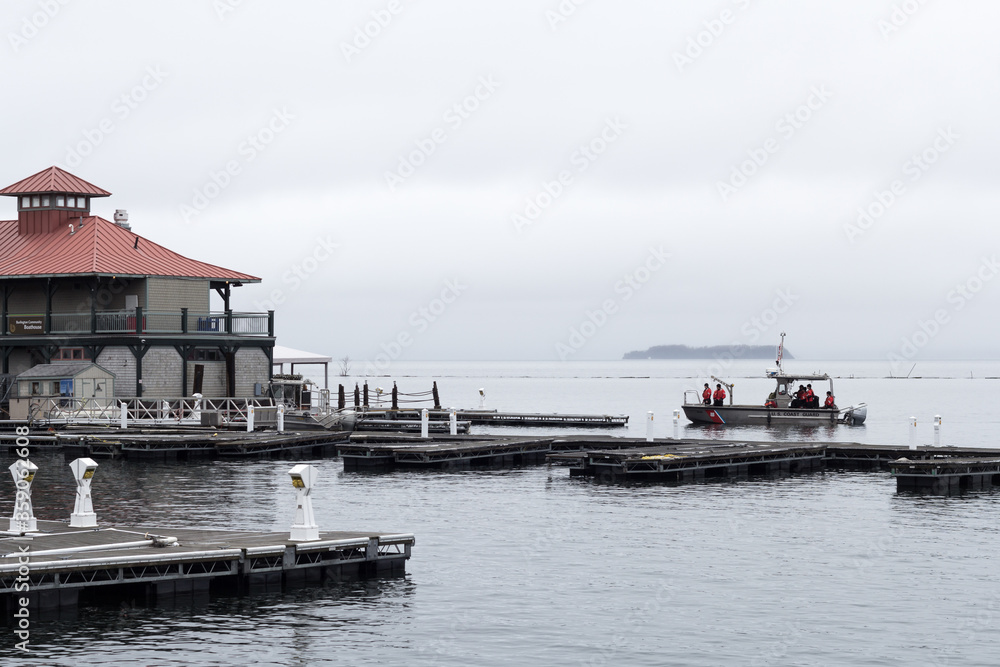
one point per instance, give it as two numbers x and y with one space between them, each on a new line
121 219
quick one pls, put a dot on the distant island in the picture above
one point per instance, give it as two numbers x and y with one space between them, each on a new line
709 352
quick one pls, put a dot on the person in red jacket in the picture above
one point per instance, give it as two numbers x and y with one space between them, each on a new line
811 400
719 395
706 396
829 401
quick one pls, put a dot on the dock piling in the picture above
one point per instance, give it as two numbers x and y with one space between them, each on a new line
123 415
937 430
281 418
453 422
913 432
649 426
250 417
83 515
424 423
677 424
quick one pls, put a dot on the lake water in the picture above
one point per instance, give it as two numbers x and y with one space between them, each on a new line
528 566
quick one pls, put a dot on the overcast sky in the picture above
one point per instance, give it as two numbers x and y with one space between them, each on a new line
543 180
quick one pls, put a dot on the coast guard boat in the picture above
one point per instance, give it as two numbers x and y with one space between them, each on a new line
778 408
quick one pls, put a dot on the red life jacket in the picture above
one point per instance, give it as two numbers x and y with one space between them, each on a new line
829 402
719 395
707 394
809 394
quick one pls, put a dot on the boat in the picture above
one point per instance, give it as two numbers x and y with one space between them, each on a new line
778 409
296 394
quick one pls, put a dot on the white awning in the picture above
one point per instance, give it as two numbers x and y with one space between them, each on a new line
286 355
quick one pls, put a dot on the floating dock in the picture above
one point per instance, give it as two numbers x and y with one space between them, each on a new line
365 456
74 566
946 475
495 418
694 462
183 444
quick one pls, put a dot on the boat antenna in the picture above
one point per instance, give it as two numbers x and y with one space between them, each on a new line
781 349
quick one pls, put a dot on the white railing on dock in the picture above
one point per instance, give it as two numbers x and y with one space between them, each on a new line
73 410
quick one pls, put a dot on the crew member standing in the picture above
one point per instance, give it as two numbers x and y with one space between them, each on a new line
829 401
706 396
719 395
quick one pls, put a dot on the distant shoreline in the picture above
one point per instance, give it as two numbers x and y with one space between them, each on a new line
708 352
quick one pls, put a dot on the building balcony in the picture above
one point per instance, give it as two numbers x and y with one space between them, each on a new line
141 322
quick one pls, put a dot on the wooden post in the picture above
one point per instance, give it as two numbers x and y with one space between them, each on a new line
395 397
437 398
184 320
341 403
357 396
366 394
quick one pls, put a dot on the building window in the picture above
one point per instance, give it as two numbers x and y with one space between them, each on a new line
45 200
81 202
205 354
25 202
36 388
36 201
70 354
60 200
71 202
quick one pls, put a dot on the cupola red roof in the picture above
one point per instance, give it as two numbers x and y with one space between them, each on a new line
54 179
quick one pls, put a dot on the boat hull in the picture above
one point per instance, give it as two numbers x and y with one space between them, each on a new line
749 415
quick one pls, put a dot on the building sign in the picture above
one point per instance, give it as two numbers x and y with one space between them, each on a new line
25 325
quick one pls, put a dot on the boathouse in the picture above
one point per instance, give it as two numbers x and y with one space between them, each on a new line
77 288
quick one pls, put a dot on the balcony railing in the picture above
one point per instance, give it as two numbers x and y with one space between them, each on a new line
139 321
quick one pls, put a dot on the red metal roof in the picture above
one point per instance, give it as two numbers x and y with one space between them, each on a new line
98 247
54 179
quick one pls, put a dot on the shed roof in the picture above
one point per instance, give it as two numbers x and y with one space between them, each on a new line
98 247
54 179
58 371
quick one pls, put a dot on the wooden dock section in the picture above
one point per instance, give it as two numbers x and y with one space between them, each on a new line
695 461
365 456
186 443
60 566
495 418
946 475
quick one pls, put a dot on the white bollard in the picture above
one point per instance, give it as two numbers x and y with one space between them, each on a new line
83 515
937 430
453 422
123 415
482 398
281 417
677 424
249 419
913 432
649 426
23 471
197 408
424 425
304 528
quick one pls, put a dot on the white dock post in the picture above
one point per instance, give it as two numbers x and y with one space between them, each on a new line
123 415
281 417
304 528
453 422
249 419
197 408
677 424
482 398
913 432
649 426
424 426
23 471
937 430
83 515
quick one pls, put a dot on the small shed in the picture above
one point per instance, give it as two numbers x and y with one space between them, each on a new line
83 380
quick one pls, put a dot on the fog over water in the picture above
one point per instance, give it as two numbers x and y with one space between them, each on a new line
530 161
